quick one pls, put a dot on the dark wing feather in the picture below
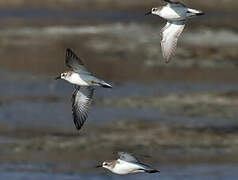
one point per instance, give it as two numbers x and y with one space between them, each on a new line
74 62
129 158
174 2
81 101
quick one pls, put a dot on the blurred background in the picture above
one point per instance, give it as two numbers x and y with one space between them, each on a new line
179 117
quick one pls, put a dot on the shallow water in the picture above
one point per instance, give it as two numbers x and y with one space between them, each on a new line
36 101
42 103
168 172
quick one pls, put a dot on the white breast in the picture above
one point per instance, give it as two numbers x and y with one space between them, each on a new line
125 168
75 78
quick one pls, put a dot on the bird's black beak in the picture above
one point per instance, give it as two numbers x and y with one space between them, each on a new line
58 77
98 166
148 13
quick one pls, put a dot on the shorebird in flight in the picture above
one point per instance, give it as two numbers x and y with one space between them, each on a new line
84 82
126 164
176 15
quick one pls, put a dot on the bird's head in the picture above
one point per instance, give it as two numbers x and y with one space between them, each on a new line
64 75
155 11
107 165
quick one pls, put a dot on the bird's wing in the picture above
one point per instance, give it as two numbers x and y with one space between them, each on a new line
81 100
74 62
146 168
127 157
169 37
174 3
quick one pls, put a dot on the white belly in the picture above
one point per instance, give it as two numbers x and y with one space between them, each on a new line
126 168
78 80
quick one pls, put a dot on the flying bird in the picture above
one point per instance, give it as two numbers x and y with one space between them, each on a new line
85 83
176 15
126 164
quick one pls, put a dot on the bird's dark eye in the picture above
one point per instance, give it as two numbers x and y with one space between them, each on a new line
154 9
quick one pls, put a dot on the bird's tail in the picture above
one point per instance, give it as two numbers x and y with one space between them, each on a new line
194 12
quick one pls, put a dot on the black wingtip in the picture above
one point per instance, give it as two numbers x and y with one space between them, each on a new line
200 14
77 122
106 86
152 171
77 125
68 49
169 1
78 128
70 54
